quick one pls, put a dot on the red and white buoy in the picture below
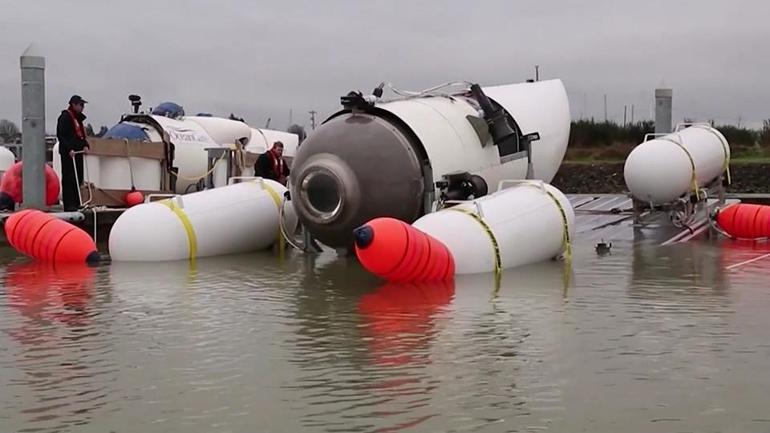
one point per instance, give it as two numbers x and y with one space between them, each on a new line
529 222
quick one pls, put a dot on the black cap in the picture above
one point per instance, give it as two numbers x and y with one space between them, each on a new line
76 99
363 236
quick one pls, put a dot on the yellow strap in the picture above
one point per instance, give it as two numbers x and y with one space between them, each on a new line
726 149
693 178
488 230
192 240
277 200
566 241
273 193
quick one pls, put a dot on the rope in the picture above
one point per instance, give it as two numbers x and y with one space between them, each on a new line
239 158
488 230
203 176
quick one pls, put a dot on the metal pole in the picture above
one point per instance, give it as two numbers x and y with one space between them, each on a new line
33 127
663 111
537 72
625 113
605 107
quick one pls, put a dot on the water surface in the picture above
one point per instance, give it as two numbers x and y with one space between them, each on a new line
666 339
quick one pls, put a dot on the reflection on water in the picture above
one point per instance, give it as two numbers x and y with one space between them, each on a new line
62 358
643 339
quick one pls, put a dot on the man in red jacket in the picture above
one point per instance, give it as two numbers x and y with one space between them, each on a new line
270 165
72 139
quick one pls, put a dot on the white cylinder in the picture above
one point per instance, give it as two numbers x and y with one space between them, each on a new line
526 220
222 131
663 169
7 159
147 173
233 219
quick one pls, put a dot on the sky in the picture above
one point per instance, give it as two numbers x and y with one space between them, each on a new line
261 59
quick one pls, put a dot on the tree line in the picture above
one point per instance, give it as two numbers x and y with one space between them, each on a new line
10 133
590 133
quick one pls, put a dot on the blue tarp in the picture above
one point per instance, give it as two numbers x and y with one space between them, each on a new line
127 131
169 109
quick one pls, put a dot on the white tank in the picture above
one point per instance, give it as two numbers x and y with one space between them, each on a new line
147 173
7 159
528 220
663 169
233 219
223 131
263 139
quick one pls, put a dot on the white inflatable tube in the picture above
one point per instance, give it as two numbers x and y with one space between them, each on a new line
229 220
661 170
530 222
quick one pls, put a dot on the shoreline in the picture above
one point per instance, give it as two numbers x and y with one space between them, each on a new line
607 178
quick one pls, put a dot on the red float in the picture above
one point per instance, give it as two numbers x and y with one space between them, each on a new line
399 319
49 239
745 221
398 252
11 184
133 198
50 291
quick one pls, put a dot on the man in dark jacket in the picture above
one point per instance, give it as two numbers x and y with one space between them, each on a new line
270 165
72 139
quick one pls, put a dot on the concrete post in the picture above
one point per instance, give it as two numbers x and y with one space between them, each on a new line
663 115
33 127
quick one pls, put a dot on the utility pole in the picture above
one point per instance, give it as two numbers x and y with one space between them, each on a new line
312 118
33 127
632 113
625 111
537 72
291 116
605 108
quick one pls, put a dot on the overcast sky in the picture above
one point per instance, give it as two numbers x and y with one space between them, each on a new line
259 59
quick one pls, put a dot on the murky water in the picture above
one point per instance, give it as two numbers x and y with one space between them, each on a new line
670 339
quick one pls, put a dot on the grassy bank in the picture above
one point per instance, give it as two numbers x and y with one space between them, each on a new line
607 142
606 177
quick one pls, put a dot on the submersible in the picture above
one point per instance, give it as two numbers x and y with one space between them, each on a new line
404 157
